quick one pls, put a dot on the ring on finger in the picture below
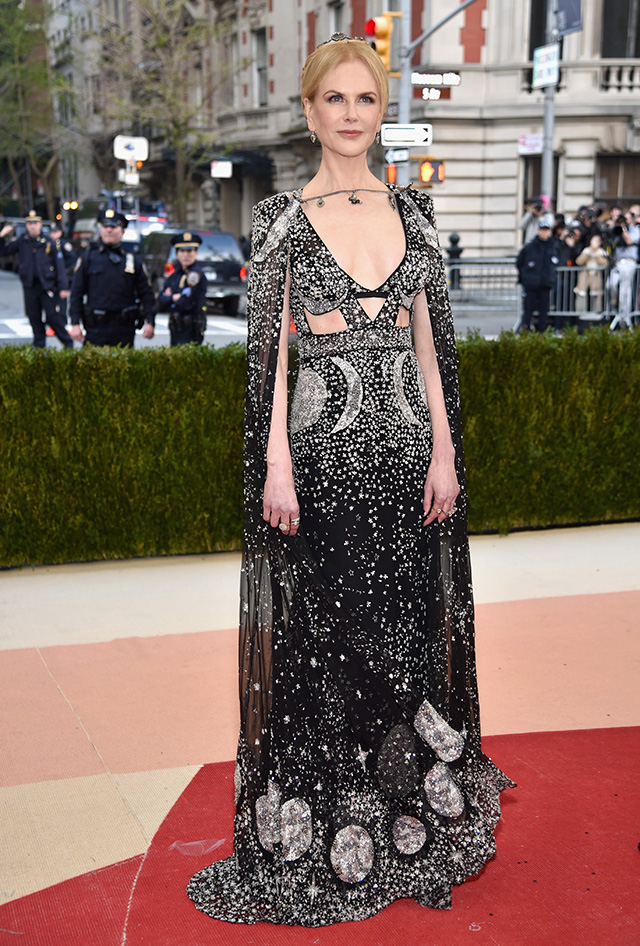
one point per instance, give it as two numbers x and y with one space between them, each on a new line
451 512
295 521
438 511
284 526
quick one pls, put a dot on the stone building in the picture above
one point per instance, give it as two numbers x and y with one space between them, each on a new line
481 127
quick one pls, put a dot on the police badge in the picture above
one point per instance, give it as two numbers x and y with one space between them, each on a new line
193 278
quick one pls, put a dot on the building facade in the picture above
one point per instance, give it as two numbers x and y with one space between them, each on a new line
484 128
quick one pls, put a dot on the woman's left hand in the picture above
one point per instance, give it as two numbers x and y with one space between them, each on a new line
441 490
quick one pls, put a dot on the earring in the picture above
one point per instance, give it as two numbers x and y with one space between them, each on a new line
313 137
377 137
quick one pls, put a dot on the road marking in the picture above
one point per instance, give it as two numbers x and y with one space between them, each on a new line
20 328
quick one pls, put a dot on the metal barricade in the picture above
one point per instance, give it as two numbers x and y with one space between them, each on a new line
483 283
601 294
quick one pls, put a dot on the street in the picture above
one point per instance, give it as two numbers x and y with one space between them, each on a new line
221 329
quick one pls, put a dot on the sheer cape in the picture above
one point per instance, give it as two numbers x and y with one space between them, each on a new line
349 729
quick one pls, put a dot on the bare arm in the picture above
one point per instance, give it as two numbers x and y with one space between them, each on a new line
280 503
441 487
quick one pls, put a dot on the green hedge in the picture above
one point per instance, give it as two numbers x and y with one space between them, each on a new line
115 454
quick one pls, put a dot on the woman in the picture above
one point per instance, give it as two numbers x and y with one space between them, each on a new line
359 777
184 294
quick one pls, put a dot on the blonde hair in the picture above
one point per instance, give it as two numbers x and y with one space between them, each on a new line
329 55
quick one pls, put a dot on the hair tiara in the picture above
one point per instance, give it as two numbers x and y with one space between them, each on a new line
339 38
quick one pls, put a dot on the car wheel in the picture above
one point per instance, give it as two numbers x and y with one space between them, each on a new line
230 305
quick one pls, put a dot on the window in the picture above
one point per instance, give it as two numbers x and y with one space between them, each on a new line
260 68
533 178
537 25
618 178
620 33
336 17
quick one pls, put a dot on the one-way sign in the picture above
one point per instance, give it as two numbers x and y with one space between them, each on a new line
406 135
396 155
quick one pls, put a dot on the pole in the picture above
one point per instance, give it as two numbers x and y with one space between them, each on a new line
404 87
407 49
546 181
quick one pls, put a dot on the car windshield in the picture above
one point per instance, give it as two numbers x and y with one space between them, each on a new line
219 246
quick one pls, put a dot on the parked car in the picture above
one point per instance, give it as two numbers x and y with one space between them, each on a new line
219 256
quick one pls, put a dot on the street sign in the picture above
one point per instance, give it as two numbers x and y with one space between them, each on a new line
546 66
531 144
126 148
221 169
408 136
396 155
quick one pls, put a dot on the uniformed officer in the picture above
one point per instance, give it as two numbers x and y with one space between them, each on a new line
184 294
109 287
65 248
44 280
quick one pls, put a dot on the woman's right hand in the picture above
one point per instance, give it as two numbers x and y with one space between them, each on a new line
280 503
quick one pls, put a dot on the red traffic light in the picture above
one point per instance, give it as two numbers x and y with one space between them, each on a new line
380 29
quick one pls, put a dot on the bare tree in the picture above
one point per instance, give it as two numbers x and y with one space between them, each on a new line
157 79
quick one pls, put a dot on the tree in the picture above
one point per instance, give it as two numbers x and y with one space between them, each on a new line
153 84
28 129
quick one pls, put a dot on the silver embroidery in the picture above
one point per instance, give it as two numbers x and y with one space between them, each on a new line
428 230
296 828
267 817
277 232
409 834
352 854
317 305
237 782
401 397
437 733
442 793
354 394
309 399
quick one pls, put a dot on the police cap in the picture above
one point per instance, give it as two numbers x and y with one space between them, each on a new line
112 218
186 241
33 216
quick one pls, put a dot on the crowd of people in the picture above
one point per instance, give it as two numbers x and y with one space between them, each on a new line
602 245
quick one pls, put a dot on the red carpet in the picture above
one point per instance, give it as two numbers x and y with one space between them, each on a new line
567 870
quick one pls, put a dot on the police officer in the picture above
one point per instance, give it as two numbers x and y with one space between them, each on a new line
184 294
109 286
65 249
537 262
44 280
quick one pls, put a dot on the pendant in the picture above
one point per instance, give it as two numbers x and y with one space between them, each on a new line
392 201
320 202
354 199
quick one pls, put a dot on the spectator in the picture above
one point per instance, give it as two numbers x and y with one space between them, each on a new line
536 264
590 288
533 209
625 257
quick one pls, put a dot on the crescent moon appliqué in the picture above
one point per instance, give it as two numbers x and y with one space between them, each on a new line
354 394
309 399
403 404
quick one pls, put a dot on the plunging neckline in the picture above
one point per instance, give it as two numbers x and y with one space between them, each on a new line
344 271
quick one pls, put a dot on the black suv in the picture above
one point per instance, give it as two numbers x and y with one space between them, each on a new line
219 257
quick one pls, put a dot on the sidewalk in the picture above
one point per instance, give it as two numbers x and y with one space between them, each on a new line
119 680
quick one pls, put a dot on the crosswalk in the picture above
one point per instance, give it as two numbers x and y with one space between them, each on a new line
14 328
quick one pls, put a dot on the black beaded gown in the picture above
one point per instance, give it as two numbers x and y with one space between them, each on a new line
359 777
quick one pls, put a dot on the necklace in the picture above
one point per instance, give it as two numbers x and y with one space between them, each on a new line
353 199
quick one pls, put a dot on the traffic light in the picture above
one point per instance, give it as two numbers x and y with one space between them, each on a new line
431 172
380 29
